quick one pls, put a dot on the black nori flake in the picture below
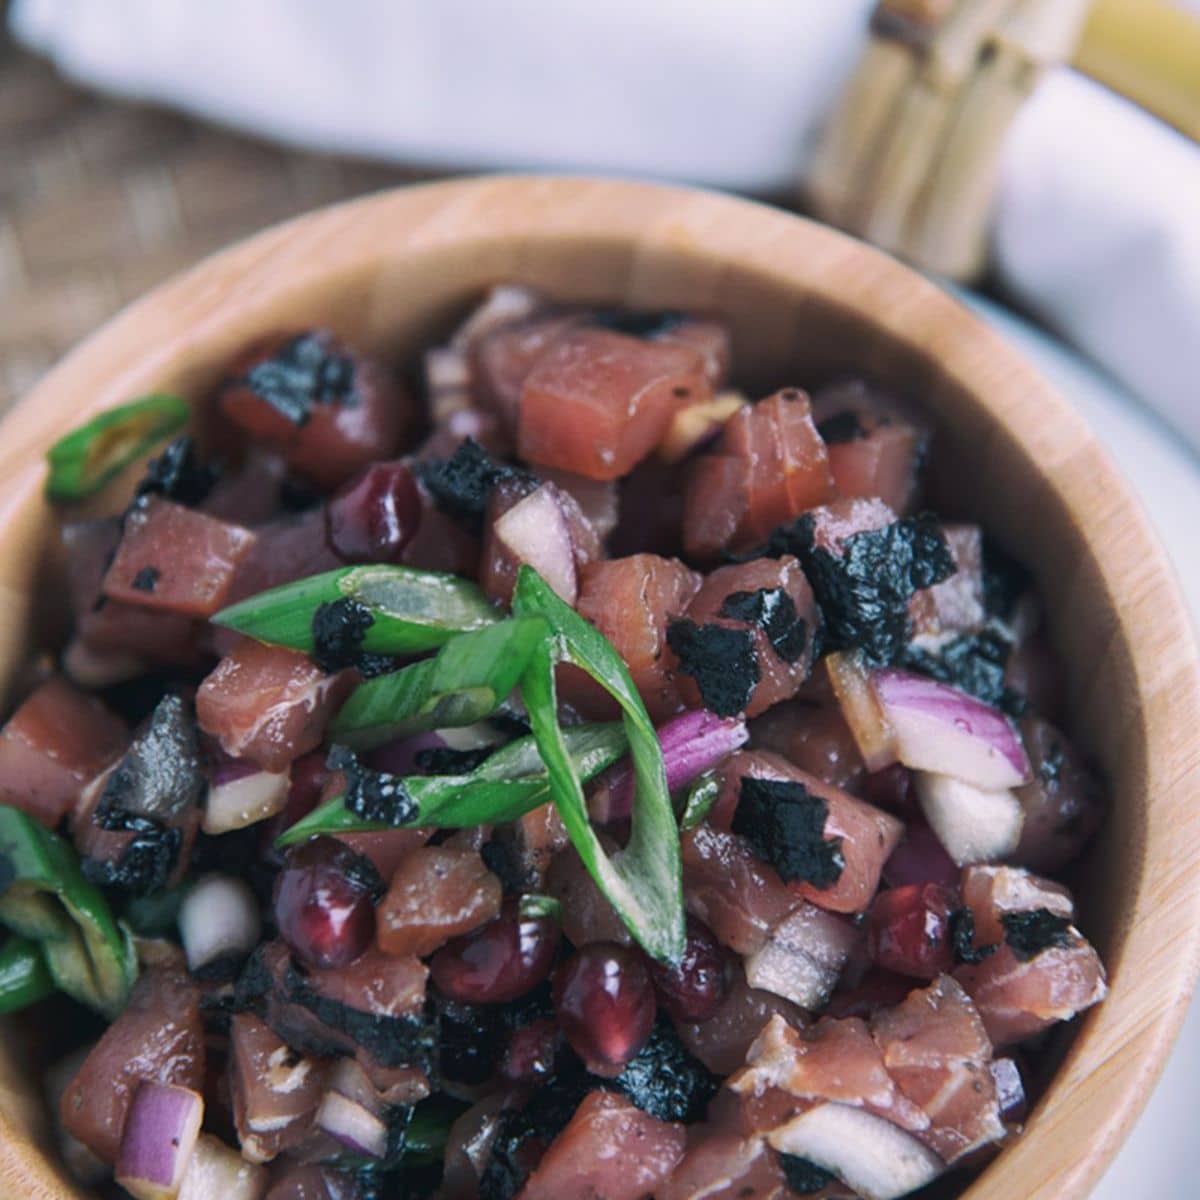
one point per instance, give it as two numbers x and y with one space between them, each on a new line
510 722
145 579
774 611
974 662
841 427
471 1041
145 864
665 1079
300 374
962 938
721 661
1005 580
501 856
253 983
159 777
338 629
410 1040
803 1175
863 592
785 825
178 474
445 760
372 795
1029 933
637 324
461 484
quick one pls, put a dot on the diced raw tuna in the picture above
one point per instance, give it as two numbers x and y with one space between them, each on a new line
832 523
597 499
708 335
726 1166
609 1149
159 1036
441 543
327 409
436 893
731 890
52 746
867 835
769 466
275 1089
251 494
813 736
990 892
955 605
876 444
175 559
587 916
1062 803
650 510
1034 672
596 402
386 848
631 601
936 1049
1017 998
502 359
269 704
722 1041
877 989
803 956
285 549
770 599
529 845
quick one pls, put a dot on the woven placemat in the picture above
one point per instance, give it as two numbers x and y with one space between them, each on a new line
100 199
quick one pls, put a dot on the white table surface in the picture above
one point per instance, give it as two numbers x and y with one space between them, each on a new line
1161 1159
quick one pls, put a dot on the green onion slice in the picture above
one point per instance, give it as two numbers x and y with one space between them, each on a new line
88 457
701 795
46 899
24 978
643 882
468 679
411 610
510 783
533 905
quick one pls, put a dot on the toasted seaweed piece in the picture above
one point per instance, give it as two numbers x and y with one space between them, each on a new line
372 795
785 825
637 324
803 1175
962 938
1029 933
461 484
974 662
774 612
665 1079
178 474
303 372
338 629
471 1040
1005 580
145 864
721 661
445 760
863 592
146 579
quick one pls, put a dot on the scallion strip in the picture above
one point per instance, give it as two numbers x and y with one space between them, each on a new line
411 610
83 461
468 679
24 979
643 882
510 783
701 796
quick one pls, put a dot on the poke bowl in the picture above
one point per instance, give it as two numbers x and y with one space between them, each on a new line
539 687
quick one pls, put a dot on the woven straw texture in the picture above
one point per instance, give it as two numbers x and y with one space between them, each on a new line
100 200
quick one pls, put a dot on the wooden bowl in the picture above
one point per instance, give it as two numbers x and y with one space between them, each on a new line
390 271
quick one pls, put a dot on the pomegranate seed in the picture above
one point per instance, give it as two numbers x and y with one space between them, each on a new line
891 789
500 961
920 858
605 1005
909 930
323 902
695 989
531 1052
374 516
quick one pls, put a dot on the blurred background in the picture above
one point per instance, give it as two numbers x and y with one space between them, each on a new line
1040 156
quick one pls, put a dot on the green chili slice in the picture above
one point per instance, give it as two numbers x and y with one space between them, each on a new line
24 978
83 461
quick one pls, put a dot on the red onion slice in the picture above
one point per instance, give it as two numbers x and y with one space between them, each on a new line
920 858
692 743
218 919
873 735
535 531
941 729
241 794
351 1125
1010 1090
974 824
217 1172
158 1140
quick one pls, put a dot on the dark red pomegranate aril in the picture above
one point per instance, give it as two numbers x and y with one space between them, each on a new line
604 1002
323 903
498 962
531 1052
891 789
375 515
908 930
695 989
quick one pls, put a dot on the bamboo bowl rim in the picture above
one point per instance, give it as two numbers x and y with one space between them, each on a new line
1118 1053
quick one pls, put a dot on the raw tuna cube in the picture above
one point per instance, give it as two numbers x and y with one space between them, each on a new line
956 604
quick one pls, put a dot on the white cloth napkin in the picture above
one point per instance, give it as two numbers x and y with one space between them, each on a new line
1095 226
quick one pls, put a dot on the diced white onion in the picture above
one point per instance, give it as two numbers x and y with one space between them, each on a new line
218 918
